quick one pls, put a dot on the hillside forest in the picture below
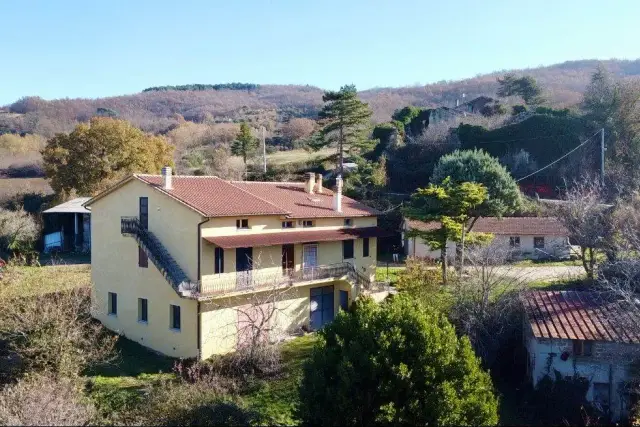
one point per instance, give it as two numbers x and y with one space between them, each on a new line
527 119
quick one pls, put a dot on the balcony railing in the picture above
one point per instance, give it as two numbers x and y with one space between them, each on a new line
250 280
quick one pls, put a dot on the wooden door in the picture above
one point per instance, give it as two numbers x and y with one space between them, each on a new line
287 259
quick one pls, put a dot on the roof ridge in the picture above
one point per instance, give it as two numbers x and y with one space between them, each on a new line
178 176
267 182
257 197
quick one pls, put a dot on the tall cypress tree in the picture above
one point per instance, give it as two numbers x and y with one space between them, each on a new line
346 123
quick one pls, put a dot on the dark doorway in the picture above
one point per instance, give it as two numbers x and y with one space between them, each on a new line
144 212
287 259
244 265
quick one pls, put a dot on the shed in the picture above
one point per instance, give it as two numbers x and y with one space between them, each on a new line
67 226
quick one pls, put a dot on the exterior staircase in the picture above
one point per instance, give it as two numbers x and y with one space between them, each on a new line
161 258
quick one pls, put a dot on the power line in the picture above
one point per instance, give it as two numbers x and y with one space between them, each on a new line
559 158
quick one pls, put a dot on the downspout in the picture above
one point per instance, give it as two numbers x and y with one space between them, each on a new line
199 320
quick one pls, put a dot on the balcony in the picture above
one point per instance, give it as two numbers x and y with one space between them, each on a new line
256 280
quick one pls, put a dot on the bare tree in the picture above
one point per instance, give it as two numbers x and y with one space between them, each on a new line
587 219
298 128
486 297
40 400
54 333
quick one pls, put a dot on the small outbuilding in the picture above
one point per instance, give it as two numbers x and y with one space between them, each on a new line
67 227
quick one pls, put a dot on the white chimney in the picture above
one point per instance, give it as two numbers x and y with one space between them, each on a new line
310 182
318 187
166 178
337 197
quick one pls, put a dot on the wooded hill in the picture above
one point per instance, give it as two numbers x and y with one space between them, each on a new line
157 109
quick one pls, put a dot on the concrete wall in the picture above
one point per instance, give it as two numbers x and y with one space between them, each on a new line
553 245
609 364
114 268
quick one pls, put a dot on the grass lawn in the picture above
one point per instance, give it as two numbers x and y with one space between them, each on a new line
26 281
384 273
298 155
118 387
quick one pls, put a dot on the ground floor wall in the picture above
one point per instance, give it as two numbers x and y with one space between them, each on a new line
553 246
226 322
607 376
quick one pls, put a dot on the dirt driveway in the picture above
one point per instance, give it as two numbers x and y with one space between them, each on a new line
545 273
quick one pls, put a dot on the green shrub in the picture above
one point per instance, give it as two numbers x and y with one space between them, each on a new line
397 362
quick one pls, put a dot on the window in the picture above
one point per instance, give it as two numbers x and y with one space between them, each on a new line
174 316
143 310
242 223
143 259
113 303
307 223
514 242
582 348
538 242
348 222
347 249
219 261
365 247
287 224
601 396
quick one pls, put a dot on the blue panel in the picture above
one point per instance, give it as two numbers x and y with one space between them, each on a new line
344 300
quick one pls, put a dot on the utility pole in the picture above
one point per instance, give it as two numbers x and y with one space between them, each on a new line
264 150
602 156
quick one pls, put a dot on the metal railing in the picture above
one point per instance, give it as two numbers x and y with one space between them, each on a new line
158 255
255 279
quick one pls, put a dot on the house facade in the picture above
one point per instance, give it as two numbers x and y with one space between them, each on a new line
184 265
529 237
584 334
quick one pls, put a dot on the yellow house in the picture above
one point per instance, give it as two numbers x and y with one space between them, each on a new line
225 256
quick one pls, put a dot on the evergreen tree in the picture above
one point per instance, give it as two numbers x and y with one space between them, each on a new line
451 205
395 363
346 123
527 87
244 144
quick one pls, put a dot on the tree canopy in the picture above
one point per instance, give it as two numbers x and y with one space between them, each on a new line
394 363
503 194
220 86
244 143
346 123
98 153
449 204
526 86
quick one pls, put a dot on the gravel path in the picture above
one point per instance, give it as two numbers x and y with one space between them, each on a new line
545 273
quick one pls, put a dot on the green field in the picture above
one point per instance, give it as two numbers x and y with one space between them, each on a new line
296 156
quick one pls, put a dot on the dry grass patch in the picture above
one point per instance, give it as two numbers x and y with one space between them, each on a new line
19 281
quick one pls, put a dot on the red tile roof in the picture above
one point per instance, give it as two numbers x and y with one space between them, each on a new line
292 197
511 226
287 237
212 196
581 316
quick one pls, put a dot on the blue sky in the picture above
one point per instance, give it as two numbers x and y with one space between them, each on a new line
65 48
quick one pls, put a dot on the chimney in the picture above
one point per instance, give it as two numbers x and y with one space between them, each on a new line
457 102
310 182
337 197
318 187
166 178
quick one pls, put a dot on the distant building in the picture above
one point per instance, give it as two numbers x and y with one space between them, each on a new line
67 227
529 237
587 335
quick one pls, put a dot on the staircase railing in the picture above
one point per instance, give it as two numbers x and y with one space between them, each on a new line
159 255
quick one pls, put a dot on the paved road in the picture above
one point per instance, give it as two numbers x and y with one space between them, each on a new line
545 273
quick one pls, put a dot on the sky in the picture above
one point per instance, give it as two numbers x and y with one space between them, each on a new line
68 48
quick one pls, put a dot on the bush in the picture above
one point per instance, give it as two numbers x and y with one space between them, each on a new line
18 231
54 333
27 170
44 401
423 283
397 362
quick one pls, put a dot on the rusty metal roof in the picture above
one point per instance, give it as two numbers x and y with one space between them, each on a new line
512 226
581 315
241 240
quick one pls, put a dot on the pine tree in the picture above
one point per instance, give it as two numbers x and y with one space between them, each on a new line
346 122
244 143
